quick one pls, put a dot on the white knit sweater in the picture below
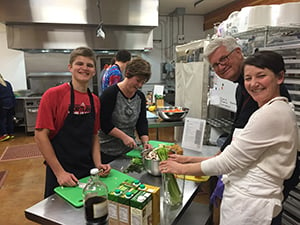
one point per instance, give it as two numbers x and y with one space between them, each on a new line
263 153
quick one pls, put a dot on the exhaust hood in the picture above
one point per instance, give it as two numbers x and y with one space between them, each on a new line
67 24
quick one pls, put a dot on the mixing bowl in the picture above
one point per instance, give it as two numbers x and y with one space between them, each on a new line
172 113
151 162
152 166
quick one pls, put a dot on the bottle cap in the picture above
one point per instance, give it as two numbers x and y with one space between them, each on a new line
94 171
142 186
117 192
136 182
128 194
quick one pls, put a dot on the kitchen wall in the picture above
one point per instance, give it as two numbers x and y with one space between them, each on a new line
165 37
12 65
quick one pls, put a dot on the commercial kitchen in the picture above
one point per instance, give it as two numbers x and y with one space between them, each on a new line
38 36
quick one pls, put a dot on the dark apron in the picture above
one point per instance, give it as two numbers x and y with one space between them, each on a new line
73 145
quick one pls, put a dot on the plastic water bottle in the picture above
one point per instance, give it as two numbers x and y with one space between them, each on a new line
95 195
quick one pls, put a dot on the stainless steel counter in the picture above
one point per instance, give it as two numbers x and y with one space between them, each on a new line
55 210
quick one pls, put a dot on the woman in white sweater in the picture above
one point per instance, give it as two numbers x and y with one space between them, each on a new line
261 156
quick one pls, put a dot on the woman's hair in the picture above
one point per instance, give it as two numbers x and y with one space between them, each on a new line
138 67
229 42
82 51
266 59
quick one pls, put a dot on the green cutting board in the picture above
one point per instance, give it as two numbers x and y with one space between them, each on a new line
136 153
74 194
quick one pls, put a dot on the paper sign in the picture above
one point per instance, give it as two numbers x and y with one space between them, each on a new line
157 90
193 133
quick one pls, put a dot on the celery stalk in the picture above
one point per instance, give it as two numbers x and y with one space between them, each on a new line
172 186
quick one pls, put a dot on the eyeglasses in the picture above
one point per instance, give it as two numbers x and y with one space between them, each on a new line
222 61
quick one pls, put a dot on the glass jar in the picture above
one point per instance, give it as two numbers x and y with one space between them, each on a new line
95 195
173 189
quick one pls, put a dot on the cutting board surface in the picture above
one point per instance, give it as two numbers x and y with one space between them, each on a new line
74 194
193 178
136 153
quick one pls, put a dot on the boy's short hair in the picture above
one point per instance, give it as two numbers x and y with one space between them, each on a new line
82 51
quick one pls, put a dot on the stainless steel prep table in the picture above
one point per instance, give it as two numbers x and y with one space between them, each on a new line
55 210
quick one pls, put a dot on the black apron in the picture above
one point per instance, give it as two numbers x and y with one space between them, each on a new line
73 145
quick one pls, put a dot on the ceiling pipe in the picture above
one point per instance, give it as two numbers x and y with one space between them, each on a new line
197 2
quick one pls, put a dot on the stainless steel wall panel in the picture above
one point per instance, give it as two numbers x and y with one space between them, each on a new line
114 12
39 36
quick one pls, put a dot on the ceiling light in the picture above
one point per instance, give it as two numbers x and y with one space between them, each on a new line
100 32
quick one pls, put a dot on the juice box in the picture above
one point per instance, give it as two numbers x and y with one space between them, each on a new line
118 204
124 205
113 206
141 208
155 192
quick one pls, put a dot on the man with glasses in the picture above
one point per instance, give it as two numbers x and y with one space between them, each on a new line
226 58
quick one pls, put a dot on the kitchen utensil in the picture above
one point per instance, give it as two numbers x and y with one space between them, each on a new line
151 165
172 113
81 184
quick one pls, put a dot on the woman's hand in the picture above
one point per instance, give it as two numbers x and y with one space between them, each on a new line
170 166
179 158
129 142
147 146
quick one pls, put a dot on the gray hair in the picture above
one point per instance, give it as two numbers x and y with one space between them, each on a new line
229 42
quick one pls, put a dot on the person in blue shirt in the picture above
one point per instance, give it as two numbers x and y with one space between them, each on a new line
7 110
114 74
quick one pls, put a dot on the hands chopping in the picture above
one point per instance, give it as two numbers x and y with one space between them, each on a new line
129 142
147 146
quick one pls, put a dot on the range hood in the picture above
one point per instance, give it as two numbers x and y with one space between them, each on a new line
67 24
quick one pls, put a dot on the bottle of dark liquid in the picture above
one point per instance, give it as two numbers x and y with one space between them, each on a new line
95 200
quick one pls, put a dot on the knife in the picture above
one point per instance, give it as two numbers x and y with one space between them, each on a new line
80 184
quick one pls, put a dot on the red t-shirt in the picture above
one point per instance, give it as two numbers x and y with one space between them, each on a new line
54 108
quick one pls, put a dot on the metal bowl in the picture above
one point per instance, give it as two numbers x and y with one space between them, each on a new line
152 166
169 113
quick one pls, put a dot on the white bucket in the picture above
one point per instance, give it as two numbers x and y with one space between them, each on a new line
243 18
233 23
260 16
289 14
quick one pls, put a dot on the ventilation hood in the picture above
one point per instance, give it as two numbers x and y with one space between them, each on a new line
67 24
